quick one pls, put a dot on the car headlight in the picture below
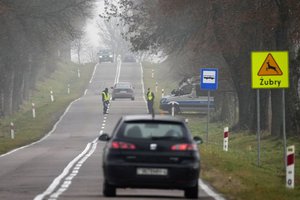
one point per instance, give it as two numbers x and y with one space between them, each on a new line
110 56
100 56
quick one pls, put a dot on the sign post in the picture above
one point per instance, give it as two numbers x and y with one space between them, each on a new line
33 110
12 130
208 81
173 103
290 167
225 140
270 71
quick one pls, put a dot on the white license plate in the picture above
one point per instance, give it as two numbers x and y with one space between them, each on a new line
122 91
152 171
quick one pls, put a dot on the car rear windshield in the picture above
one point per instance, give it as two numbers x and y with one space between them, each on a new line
122 85
105 52
153 130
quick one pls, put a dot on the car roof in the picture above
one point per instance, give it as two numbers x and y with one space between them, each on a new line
157 118
123 85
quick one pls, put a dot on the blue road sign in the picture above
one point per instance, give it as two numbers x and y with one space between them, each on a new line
209 79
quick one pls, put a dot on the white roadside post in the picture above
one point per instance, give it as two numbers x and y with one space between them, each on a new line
162 93
51 96
152 73
156 86
290 167
33 110
225 140
78 72
68 88
173 106
12 130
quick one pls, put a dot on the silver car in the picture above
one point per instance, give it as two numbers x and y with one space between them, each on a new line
123 90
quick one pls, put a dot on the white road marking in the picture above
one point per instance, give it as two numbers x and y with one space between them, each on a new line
95 68
209 191
53 129
67 181
77 161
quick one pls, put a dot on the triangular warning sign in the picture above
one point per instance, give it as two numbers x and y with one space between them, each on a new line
269 67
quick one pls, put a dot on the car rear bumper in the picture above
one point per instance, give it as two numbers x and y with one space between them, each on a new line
122 95
178 177
106 59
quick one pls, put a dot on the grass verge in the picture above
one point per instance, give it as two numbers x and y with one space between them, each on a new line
29 129
236 173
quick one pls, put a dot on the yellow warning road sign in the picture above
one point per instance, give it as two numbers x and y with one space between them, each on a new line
270 70
269 67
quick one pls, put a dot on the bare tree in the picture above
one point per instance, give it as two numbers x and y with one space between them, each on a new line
227 30
38 35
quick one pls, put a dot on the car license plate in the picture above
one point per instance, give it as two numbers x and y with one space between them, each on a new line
123 91
152 171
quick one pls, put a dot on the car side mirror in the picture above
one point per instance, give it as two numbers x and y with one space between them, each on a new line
198 139
104 137
111 87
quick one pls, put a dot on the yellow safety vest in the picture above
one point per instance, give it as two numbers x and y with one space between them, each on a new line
106 96
149 96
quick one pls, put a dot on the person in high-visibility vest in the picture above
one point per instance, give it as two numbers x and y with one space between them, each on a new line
105 100
150 100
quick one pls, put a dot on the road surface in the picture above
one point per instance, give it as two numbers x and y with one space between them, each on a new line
66 164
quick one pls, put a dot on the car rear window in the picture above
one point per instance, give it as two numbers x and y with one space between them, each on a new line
154 131
122 85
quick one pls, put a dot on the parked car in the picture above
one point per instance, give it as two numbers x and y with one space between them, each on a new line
147 152
123 90
187 98
106 55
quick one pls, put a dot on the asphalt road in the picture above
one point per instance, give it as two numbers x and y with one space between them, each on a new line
66 164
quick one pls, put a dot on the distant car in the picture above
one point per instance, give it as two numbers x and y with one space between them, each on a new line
106 56
123 90
129 58
146 152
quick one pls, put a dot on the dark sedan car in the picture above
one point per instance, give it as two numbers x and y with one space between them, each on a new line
122 90
146 152
106 56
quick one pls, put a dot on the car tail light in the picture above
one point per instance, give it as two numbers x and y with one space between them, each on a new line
184 147
122 145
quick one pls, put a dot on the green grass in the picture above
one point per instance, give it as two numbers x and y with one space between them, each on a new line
236 173
28 129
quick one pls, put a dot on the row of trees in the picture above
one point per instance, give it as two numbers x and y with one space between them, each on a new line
222 34
34 36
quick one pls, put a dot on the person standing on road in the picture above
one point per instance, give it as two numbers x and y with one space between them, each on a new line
150 101
105 100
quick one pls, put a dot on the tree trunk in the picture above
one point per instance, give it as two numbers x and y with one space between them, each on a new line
8 93
276 95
